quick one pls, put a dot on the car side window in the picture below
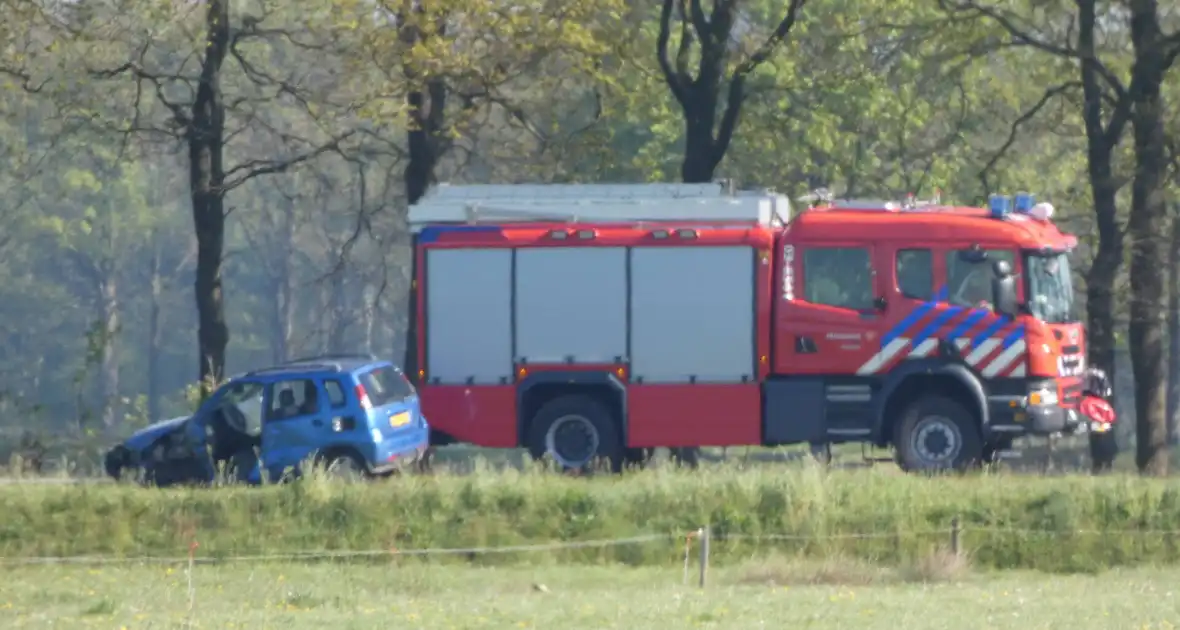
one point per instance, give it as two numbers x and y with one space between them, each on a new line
969 283
293 398
246 398
915 273
838 276
335 391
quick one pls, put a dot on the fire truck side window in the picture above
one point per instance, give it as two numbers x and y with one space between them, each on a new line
970 283
915 273
838 276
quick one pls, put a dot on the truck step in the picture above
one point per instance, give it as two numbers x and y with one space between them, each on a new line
866 453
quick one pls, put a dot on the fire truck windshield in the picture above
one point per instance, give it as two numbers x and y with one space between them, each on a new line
1050 287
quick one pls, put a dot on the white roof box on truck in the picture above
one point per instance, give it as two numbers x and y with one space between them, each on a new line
598 203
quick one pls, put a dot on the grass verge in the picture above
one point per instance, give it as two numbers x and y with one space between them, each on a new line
300 596
1059 524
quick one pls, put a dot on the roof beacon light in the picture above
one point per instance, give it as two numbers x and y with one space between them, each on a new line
1042 211
1024 202
999 205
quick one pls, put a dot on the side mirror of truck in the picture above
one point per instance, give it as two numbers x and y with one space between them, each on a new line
1004 289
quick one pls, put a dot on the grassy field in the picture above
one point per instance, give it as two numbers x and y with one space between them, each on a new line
1076 523
769 594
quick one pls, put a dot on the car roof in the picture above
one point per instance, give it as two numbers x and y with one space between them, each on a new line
331 363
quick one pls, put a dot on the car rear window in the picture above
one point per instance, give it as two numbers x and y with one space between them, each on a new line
386 385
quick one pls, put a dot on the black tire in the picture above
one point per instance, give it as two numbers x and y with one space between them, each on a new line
992 451
686 456
345 465
568 428
425 464
637 458
115 462
936 434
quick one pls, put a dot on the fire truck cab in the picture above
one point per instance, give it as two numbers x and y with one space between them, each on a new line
602 321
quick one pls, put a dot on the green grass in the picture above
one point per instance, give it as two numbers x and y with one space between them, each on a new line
1075 523
762 595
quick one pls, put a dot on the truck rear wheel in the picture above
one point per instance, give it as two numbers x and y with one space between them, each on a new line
937 434
575 431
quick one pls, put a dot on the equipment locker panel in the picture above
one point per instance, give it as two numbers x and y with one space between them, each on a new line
468 316
571 304
692 314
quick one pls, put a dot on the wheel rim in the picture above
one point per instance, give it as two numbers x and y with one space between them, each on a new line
572 441
344 468
937 442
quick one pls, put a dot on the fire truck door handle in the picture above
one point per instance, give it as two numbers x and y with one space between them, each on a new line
804 345
880 302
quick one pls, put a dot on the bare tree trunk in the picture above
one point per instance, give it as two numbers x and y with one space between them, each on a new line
338 330
282 309
369 299
324 319
154 341
1174 332
1146 227
108 354
206 144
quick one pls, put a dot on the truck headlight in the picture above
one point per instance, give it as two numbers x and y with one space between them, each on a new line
1042 394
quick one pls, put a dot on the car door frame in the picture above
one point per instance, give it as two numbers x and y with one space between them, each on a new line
276 461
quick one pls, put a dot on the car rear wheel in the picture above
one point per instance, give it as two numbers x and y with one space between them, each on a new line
576 431
346 467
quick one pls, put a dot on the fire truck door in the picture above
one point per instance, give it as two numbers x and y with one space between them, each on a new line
832 310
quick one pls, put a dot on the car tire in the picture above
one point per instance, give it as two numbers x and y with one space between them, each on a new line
937 434
345 466
115 462
576 431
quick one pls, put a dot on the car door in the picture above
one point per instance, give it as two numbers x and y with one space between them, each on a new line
293 423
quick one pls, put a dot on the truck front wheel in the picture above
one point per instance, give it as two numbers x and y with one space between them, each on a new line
937 434
575 431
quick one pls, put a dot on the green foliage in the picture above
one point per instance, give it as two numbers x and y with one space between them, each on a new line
1060 524
867 98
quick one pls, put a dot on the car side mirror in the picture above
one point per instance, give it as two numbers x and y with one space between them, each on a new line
1004 289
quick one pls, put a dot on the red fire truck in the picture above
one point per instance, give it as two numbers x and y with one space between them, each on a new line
593 322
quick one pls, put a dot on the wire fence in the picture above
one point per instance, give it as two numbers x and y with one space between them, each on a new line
950 538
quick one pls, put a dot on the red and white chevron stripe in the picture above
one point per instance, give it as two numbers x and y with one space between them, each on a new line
989 358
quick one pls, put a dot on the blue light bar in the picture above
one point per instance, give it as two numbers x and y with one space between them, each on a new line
1000 206
1025 202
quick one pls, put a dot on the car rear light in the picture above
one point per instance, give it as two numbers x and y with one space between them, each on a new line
363 397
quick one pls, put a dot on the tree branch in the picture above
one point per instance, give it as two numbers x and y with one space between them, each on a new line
1008 23
737 85
773 42
676 81
1014 129
250 169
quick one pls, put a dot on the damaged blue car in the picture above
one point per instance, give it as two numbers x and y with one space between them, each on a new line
353 415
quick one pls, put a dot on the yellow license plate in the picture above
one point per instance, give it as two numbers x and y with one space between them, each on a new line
399 419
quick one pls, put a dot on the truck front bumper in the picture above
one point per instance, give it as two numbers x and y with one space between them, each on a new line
1050 419
1039 420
